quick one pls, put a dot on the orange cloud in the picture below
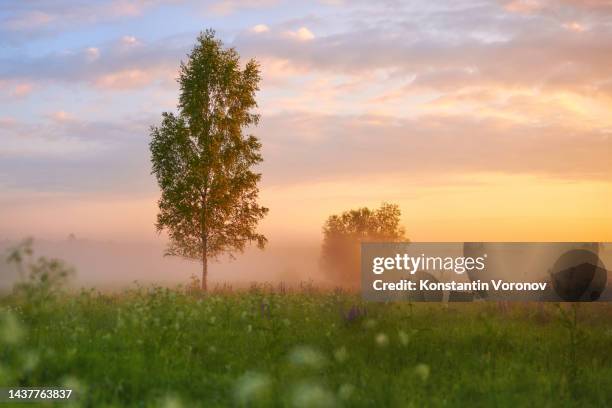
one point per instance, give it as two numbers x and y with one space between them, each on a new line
524 6
61 116
574 26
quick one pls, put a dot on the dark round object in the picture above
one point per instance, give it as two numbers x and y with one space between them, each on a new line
579 276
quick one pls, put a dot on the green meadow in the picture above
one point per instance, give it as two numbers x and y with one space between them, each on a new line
302 347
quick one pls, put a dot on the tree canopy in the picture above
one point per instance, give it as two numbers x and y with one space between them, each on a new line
343 234
203 157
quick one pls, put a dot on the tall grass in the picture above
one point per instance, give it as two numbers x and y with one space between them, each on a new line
264 347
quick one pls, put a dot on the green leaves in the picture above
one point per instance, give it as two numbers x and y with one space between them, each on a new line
343 233
40 278
203 160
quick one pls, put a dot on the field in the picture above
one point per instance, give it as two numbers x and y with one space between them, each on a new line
305 348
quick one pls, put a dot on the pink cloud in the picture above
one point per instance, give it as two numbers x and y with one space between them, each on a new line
575 27
589 4
34 19
92 54
523 6
260 28
127 8
225 7
301 34
22 90
61 116
129 78
7 121
533 6
129 40
132 78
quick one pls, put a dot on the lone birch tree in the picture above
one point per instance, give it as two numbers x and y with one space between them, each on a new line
203 157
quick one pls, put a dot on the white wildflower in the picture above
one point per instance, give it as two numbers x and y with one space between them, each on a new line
382 340
422 371
251 387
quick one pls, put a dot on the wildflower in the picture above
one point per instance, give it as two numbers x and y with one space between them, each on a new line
73 383
382 340
422 371
251 387
171 401
30 361
265 308
306 356
346 391
354 314
403 337
11 331
70 353
370 324
341 354
312 395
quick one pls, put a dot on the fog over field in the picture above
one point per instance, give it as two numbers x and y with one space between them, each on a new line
112 265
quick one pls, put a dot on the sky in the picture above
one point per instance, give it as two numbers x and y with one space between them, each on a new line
484 120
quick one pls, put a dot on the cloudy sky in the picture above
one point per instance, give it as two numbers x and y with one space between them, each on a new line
484 120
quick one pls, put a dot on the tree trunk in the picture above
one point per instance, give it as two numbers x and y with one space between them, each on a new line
204 262
204 269
204 232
